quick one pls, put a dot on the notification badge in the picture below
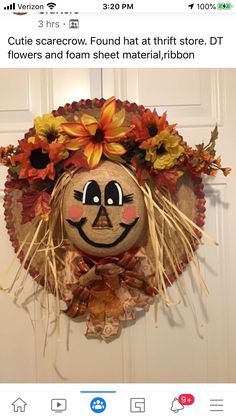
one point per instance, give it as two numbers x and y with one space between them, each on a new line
179 403
186 399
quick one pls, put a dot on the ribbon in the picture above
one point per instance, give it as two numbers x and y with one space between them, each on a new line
104 288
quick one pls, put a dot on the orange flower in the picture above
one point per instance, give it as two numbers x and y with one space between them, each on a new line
150 124
226 171
99 137
38 159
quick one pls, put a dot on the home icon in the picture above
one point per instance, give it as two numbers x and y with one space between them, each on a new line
19 405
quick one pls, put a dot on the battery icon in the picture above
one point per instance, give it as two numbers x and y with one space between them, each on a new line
224 6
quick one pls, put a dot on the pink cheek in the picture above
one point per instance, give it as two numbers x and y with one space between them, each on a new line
75 212
129 213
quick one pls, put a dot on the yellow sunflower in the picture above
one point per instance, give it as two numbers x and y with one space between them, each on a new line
163 150
48 127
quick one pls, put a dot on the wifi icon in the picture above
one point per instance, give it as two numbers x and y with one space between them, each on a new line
51 5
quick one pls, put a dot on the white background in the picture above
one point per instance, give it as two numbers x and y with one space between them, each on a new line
110 26
139 6
158 400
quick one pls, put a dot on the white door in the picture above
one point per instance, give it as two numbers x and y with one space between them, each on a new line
195 341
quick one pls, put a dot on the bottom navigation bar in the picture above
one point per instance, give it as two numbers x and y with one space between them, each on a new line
115 400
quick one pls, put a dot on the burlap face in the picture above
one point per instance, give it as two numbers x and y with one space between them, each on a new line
104 211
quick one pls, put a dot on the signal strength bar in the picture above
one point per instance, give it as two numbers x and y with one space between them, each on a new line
10 7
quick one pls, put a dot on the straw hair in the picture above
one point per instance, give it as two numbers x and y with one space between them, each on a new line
168 226
48 243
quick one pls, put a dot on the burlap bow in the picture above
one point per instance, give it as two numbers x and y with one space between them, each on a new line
106 288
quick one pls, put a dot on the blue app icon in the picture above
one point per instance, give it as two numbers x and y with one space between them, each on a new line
98 405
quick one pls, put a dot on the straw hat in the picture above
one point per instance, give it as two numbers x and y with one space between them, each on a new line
104 205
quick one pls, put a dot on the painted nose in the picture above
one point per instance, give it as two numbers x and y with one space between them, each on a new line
102 219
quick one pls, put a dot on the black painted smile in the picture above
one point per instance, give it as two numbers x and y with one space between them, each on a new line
79 226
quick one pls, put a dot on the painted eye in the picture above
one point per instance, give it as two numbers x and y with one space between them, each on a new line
113 194
91 193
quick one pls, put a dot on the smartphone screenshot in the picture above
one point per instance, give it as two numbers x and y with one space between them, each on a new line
118 209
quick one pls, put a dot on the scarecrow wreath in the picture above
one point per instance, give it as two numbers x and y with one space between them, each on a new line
104 204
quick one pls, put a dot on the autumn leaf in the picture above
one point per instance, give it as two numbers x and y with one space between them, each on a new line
226 170
142 173
78 160
15 183
210 147
167 179
42 206
16 170
214 134
200 147
34 204
28 200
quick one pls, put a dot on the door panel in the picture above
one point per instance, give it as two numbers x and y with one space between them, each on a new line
194 341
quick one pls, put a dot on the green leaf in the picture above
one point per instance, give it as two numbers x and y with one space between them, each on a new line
16 169
200 147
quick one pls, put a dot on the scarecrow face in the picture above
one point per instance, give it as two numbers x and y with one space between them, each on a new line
104 211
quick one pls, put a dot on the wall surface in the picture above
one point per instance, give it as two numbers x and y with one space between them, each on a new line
195 340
